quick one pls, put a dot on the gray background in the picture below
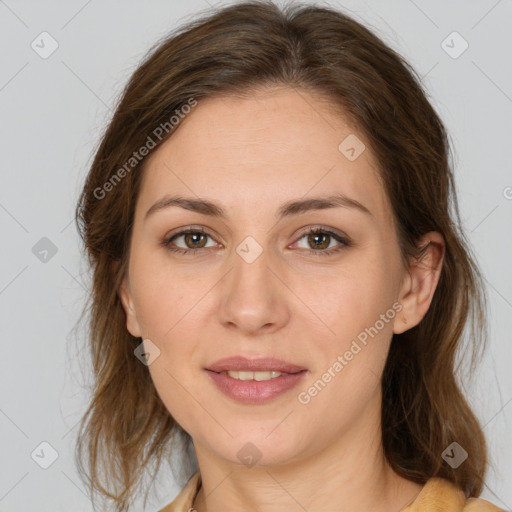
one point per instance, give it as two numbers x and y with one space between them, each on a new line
53 111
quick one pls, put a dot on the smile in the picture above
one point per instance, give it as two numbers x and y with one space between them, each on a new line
259 376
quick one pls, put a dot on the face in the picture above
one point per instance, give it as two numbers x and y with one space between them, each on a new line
256 282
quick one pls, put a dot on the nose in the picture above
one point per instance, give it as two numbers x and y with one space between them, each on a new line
254 299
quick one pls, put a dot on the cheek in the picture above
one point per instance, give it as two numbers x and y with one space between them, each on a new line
162 295
351 297
349 357
167 304
175 392
357 303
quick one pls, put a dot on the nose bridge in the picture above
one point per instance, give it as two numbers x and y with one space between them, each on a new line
253 297
251 261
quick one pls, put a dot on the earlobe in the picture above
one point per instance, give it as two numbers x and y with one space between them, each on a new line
132 323
420 283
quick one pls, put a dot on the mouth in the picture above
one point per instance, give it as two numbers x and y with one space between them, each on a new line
254 381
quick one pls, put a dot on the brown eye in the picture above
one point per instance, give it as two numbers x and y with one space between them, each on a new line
322 241
319 240
193 240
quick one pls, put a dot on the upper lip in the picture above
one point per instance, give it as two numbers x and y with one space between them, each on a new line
263 364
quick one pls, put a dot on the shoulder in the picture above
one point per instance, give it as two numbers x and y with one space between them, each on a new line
480 505
441 494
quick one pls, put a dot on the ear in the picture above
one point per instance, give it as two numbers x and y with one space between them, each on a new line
132 323
420 283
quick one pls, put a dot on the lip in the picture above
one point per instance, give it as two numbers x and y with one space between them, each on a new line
253 391
262 364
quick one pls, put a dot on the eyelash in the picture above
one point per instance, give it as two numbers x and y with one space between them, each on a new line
344 242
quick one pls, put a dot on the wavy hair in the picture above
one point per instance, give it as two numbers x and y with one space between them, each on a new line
234 50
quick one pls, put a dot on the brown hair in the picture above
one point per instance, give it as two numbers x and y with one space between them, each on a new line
231 51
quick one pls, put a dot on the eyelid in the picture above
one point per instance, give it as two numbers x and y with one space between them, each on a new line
324 229
187 229
343 240
184 231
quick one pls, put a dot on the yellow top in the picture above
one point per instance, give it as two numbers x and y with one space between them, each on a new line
437 495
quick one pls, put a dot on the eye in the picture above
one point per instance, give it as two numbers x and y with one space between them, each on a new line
193 238
321 239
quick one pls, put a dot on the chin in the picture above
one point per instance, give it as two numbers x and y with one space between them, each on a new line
262 451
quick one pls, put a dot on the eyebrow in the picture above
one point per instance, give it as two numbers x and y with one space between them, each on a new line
288 209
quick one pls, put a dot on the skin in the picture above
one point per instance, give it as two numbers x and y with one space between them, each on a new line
251 156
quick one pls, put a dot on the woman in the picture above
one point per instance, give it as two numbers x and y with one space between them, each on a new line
280 283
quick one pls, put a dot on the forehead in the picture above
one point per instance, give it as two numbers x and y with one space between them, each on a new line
267 148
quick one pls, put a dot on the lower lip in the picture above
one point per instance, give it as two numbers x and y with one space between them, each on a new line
253 391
